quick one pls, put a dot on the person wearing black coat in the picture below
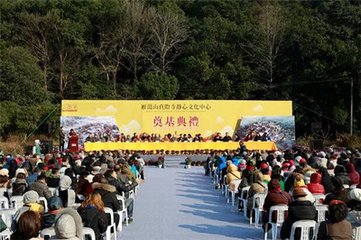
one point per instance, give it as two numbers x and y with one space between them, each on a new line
326 180
338 192
299 209
93 215
341 173
110 175
108 194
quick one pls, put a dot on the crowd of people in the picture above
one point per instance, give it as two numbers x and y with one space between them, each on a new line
299 179
76 187
145 137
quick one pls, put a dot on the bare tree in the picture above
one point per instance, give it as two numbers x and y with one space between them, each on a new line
168 31
264 50
36 37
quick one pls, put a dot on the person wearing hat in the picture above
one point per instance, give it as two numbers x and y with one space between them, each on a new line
68 225
30 200
336 226
355 202
340 172
66 194
20 186
299 209
55 205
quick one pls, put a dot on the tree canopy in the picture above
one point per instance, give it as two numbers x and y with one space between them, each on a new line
305 51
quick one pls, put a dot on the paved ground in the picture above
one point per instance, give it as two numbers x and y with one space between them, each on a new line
177 203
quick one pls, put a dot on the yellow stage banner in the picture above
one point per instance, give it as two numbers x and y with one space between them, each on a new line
162 117
176 146
166 146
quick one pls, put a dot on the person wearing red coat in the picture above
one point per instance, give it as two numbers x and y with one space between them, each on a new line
315 186
352 174
274 197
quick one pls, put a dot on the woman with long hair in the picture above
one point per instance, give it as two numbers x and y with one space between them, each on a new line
92 213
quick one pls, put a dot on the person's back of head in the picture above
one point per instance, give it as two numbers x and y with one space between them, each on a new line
68 225
29 225
337 211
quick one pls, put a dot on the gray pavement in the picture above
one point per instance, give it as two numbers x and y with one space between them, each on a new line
177 203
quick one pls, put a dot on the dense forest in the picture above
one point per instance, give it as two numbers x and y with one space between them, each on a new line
305 51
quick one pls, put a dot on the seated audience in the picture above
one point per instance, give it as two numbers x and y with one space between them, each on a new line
55 205
258 186
274 197
93 215
68 225
338 192
28 227
30 199
41 187
315 186
336 227
19 186
299 209
66 194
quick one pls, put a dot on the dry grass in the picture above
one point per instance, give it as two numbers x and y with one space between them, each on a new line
16 145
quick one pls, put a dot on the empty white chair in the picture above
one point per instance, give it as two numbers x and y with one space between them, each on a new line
16 202
44 202
280 210
321 212
4 202
111 232
306 227
319 198
257 207
88 232
123 214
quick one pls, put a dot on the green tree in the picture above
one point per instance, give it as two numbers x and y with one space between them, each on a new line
157 86
21 77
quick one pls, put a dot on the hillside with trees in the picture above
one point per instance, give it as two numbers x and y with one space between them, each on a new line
305 51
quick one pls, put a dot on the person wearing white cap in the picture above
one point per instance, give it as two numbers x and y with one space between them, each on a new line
66 194
20 186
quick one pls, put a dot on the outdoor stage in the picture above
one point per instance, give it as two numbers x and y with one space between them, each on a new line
177 146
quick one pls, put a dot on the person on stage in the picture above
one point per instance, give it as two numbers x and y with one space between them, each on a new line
61 139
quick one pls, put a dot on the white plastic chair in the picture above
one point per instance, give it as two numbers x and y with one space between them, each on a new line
16 202
321 212
108 233
4 202
122 213
5 235
280 209
44 202
48 233
306 226
244 192
54 191
353 186
8 216
257 207
356 233
319 198
88 232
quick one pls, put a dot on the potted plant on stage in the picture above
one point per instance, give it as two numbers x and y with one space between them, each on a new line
188 162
